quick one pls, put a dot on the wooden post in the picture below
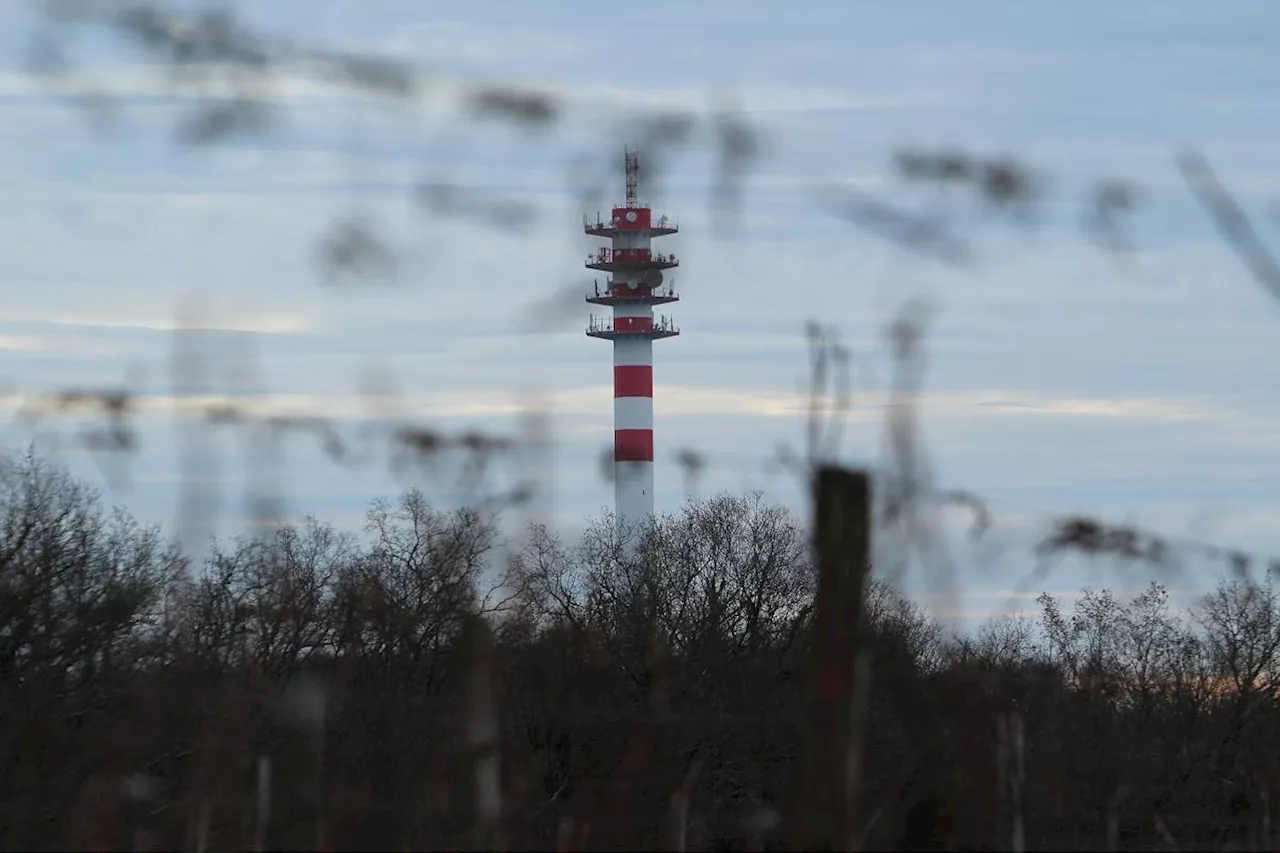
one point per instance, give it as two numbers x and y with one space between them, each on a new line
1018 776
1002 780
263 814
483 737
821 812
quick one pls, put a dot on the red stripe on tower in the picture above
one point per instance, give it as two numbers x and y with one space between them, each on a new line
633 380
633 445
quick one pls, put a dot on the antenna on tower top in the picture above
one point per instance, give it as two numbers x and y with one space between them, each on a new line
633 175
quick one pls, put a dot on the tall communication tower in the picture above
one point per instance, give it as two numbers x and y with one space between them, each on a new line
634 286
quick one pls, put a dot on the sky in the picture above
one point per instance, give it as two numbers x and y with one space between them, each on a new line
1061 378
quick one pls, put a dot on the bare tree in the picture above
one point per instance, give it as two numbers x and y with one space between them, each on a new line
1241 621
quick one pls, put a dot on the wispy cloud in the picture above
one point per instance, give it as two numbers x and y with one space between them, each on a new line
22 343
444 93
158 322
682 401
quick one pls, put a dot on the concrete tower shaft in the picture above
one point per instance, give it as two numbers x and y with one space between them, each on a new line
635 285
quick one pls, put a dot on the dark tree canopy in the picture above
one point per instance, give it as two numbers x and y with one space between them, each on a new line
418 685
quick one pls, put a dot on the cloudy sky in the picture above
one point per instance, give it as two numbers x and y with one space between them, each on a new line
1061 377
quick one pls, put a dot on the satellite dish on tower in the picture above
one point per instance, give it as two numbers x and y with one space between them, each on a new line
652 278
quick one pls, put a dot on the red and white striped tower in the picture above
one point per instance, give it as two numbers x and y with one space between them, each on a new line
635 285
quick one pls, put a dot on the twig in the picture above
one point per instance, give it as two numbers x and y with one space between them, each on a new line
1232 222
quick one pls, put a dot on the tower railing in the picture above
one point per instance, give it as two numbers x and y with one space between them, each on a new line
631 325
662 223
620 290
631 256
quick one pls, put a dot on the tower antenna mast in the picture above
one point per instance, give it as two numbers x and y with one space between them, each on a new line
633 178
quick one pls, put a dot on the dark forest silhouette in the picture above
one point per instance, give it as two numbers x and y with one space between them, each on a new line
403 688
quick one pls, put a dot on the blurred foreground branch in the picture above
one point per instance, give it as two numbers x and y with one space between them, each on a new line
1231 221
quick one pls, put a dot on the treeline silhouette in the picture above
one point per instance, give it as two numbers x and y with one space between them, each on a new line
416 685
